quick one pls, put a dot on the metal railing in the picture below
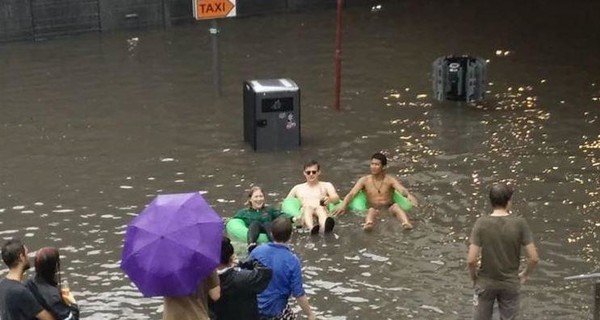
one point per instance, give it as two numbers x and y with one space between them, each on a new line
596 278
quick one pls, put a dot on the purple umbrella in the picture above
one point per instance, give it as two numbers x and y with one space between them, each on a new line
172 245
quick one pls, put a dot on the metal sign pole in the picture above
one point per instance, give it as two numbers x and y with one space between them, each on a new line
338 55
595 277
597 301
216 67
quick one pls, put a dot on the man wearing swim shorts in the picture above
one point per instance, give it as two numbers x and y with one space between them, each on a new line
379 188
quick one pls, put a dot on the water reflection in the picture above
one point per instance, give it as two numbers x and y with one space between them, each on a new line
133 115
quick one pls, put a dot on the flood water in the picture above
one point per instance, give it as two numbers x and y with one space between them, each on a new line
94 126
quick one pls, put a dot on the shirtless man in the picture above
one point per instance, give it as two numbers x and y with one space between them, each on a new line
315 195
379 188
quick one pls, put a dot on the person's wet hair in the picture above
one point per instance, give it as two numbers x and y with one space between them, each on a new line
381 157
47 265
226 250
500 195
312 163
11 251
282 229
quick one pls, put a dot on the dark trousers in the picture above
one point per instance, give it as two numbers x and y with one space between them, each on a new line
255 229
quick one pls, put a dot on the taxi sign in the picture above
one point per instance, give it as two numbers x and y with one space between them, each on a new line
211 9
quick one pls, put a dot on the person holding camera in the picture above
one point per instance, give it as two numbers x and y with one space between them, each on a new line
240 283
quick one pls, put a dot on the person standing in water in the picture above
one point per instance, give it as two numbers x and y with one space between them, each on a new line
497 239
379 188
314 196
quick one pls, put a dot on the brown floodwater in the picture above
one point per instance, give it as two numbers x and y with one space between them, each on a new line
94 126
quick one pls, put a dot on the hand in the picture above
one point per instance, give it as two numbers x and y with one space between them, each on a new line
248 265
339 211
68 298
523 277
413 200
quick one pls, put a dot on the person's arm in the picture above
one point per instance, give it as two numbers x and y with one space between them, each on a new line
44 315
360 184
472 259
403 191
292 193
532 261
215 293
213 286
256 278
332 195
303 302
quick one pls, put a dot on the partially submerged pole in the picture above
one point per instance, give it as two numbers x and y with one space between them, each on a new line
338 55
216 66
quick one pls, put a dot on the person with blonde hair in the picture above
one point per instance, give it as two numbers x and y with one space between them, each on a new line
257 216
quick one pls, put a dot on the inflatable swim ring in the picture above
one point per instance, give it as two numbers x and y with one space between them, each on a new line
291 207
237 230
359 202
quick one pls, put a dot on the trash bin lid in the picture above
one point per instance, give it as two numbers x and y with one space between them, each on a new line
273 85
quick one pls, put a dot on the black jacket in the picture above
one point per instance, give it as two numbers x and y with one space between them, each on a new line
50 298
239 287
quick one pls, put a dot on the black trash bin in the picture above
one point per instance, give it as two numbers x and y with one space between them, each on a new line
272 114
459 78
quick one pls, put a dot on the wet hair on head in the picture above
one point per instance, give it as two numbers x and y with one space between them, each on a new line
226 250
251 192
282 229
47 265
381 157
312 163
11 252
500 195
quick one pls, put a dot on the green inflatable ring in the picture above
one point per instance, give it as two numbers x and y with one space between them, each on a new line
292 207
237 230
359 202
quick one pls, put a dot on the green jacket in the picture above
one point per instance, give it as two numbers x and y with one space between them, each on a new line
265 215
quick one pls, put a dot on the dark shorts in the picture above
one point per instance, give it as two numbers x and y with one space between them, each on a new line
483 303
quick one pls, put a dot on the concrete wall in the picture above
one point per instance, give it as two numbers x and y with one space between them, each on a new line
42 19
15 20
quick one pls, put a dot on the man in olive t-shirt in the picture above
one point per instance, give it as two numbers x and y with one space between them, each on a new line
498 239
195 306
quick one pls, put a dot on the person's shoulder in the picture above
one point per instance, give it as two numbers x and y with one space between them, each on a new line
327 184
390 178
363 179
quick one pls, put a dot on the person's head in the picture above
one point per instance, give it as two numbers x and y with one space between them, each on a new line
500 196
378 163
14 254
312 170
256 198
281 229
47 264
227 254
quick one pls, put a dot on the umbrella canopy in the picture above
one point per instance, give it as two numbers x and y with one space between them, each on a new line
172 245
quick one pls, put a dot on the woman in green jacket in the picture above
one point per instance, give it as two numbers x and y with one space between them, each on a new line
257 216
